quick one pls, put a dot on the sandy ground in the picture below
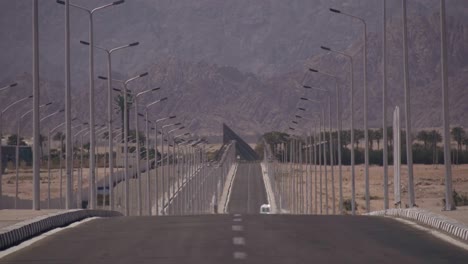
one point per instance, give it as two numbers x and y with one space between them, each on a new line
428 180
25 182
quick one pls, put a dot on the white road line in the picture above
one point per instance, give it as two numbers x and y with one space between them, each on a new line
238 241
237 215
33 240
237 219
237 228
239 255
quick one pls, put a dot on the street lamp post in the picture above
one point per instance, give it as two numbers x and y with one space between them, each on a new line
339 124
156 186
48 157
125 95
353 185
330 143
324 158
449 204
321 119
18 132
148 182
92 134
409 142
48 162
384 104
8 86
169 166
137 134
163 183
35 94
1 135
109 111
366 127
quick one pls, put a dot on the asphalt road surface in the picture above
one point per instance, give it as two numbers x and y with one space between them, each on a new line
281 239
244 236
248 190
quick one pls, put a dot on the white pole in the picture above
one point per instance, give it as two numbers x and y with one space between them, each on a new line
68 118
409 151
384 105
449 204
36 95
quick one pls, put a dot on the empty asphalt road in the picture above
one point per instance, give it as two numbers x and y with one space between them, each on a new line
244 236
240 238
248 190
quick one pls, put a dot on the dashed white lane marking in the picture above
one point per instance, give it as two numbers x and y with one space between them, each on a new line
33 240
237 215
239 255
237 228
238 241
237 219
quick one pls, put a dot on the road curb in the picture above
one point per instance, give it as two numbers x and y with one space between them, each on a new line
226 195
431 219
19 232
269 191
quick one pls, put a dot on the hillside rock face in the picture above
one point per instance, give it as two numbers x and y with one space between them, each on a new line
238 62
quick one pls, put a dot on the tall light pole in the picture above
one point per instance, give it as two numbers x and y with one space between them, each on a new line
321 121
163 183
156 186
384 103
324 158
109 111
449 204
36 94
330 143
148 182
137 134
92 134
8 86
1 135
366 126
48 157
409 147
168 163
127 178
18 132
338 125
353 175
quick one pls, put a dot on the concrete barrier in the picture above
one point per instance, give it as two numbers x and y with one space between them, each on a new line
431 219
19 232
269 190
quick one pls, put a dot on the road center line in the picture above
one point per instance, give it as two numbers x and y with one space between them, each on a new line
237 219
239 255
237 215
237 228
238 241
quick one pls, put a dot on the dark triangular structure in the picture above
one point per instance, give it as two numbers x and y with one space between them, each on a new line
243 150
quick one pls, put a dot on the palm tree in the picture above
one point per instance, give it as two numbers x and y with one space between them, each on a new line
345 137
119 99
378 134
434 137
458 134
424 137
358 136
11 140
371 136
390 135
465 142
59 136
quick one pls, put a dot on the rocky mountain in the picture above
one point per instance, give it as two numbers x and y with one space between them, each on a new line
238 62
